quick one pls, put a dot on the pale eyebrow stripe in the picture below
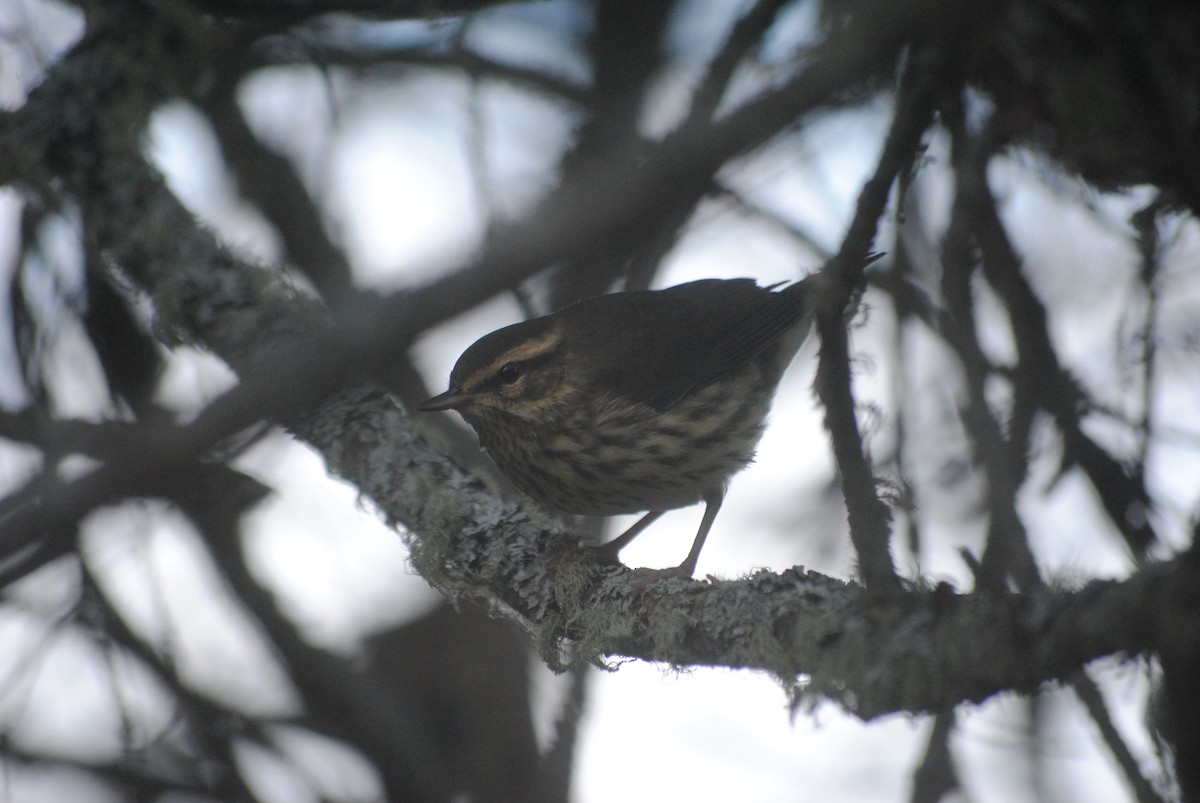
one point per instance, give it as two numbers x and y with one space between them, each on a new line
528 350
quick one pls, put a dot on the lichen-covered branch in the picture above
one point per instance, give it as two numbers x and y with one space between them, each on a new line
923 649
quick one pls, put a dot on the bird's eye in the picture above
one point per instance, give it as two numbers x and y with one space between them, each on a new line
509 372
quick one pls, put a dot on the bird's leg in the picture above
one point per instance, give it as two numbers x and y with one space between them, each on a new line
688 567
608 552
711 507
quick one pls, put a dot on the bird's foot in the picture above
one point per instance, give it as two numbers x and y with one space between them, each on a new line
603 552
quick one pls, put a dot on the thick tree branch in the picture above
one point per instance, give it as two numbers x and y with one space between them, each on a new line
940 648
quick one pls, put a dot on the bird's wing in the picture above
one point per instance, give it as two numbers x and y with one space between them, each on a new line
656 346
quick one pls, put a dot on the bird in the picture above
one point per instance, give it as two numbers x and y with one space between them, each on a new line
630 402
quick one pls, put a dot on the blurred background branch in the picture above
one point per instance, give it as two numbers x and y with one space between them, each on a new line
1008 395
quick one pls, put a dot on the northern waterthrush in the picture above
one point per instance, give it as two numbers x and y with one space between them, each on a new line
630 402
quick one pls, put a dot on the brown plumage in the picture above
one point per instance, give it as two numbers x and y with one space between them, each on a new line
630 402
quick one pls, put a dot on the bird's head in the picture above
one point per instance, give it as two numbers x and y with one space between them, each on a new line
521 370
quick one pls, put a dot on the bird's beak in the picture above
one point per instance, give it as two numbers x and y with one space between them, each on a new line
450 400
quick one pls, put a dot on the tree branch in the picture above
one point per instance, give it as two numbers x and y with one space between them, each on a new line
839 287
941 648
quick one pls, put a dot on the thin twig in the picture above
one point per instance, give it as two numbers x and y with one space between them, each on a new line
841 283
1089 694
